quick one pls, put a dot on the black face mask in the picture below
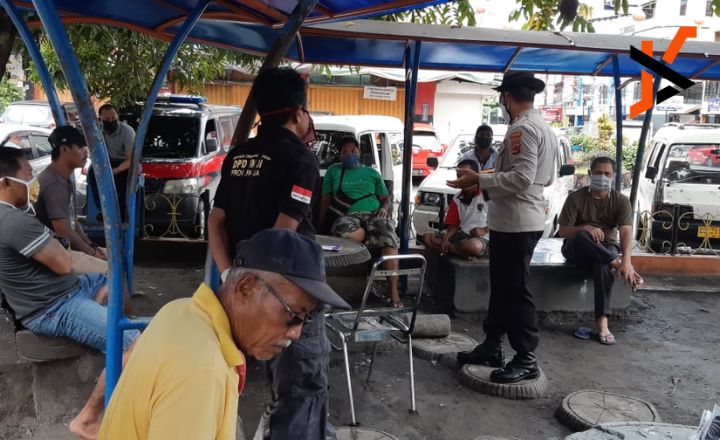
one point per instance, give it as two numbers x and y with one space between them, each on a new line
483 143
110 126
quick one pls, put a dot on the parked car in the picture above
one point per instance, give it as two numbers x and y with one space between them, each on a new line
425 144
708 155
380 140
32 140
678 186
186 143
433 195
38 114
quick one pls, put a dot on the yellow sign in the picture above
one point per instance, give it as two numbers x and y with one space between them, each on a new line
708 231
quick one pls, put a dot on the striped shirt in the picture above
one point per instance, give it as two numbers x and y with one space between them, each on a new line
28 286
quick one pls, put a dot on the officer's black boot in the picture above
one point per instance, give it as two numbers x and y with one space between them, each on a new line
522 367
489 353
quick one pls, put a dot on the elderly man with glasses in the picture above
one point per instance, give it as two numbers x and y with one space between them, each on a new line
187 370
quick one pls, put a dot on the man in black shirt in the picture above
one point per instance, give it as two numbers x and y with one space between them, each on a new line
271 182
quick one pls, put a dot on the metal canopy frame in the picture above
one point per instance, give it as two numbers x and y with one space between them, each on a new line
359 42
121 246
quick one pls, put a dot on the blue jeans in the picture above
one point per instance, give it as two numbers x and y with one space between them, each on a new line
78 317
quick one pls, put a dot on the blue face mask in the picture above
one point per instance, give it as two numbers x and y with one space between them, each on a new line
351 161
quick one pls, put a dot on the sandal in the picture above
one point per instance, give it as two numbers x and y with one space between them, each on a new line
606 339
583 333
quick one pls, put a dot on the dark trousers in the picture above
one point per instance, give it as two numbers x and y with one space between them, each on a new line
583 251
512 309
299 377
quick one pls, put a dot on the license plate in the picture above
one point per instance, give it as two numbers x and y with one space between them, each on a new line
418 172
708 232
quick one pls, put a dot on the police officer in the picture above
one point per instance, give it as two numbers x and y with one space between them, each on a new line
516 217
270 182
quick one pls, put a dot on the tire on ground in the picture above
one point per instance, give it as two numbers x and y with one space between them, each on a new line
477 377
583 410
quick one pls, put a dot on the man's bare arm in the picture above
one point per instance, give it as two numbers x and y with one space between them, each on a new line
55 257
218 239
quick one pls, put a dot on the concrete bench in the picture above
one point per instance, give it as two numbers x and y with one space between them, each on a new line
464 286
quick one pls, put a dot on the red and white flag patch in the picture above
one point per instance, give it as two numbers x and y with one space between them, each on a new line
301 194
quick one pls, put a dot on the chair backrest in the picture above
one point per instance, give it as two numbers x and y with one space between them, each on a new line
417 265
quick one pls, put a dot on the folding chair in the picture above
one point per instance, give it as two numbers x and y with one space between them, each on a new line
379 324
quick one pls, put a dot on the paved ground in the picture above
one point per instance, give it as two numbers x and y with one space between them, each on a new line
666 353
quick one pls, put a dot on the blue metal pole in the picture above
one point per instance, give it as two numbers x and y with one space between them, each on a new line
37 58
618 123
134 172
103 173
412 61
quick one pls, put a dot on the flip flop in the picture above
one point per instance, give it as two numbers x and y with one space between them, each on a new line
397 304
608 339
583 333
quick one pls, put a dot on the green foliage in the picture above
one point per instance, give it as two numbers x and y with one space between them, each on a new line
542 15
629 154
120 64
456 13
593 147
9 92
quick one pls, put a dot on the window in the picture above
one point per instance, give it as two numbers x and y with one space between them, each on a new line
20 140
396 147
327 148
380 141
212 137
366 150
41 144
226 132
172 137
603 91
649 9
683 7
709 8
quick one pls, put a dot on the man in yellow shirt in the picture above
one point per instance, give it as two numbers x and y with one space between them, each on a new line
186 371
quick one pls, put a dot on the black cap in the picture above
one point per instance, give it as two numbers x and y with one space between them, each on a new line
294 256
520 78
66 135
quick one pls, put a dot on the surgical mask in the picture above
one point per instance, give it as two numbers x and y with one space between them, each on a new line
505 113
483 143
351 161
33 190
600 183
310 136
110 126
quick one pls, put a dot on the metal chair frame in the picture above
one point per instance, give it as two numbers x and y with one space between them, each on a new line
381 323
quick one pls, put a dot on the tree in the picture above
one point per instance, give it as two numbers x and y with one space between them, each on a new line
456 13
545 15
120 64
9 92
7 38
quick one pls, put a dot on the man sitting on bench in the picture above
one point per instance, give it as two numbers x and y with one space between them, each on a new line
589 222
466 219
37 281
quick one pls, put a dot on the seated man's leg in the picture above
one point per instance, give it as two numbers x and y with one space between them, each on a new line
348 227
582 250
433 240
381 233
604 278
465 246
300 383
79 317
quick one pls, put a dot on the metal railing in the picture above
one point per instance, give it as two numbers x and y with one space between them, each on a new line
678 230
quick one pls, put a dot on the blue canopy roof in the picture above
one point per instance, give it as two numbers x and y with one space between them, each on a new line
153 16
234 25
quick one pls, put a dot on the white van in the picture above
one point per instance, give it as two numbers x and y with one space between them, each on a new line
380 138
433 195
681 169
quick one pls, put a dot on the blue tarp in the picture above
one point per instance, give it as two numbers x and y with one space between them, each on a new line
380 43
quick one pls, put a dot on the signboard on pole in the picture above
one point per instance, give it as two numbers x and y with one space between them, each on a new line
380 93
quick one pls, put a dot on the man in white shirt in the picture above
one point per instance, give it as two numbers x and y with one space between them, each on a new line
466 219
483 153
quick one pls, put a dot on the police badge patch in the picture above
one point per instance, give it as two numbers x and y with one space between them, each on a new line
516 142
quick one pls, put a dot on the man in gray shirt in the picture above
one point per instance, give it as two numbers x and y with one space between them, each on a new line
55 207
37 281
516 217
119 139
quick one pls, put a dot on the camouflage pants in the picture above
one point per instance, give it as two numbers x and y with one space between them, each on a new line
379 232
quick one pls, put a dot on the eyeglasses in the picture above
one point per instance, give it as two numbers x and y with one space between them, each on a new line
295 317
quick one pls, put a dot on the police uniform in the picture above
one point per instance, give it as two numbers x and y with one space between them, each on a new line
516 219
275 173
